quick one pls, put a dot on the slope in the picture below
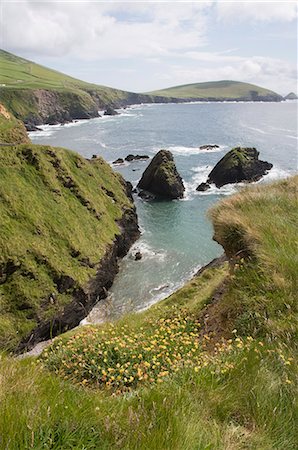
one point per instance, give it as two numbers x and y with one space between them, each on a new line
64 221
211 367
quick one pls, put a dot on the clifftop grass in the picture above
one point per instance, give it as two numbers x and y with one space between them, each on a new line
12 131
228 383
58 215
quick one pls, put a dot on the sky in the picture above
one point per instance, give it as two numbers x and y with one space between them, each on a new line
148 45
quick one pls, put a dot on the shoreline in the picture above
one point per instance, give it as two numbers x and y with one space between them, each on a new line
38 348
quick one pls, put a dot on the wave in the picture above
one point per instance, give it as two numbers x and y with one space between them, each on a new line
147 251
201 174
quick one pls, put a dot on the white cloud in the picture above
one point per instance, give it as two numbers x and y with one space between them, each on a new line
92 30
257 10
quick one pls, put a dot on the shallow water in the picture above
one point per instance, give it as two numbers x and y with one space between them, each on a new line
176 236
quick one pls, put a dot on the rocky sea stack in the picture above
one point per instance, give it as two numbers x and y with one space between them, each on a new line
239 164
161 177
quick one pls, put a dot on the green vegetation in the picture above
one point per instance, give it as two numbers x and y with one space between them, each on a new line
233 385
21 79
34 93
58 215
220 90
12 131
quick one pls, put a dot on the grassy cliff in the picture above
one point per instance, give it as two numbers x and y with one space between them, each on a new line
11 129
34 93
211 367
219 90
64 220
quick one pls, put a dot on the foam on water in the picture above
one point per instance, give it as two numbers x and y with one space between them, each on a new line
147 251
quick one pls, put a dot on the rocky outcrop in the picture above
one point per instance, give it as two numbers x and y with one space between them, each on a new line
118 161
239 164
203 187
110 112
208 147
161 177
130 158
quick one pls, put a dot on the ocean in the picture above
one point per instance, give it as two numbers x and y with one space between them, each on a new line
176 235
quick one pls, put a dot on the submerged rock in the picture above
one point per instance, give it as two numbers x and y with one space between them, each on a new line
203 187
239 164
118 161
161 177
138 256
110 112
130 157
208 147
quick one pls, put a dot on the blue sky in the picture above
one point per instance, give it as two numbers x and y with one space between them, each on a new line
142 46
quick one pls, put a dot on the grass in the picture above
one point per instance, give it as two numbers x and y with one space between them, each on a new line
11 130
236 390
58 215
216 89
20 78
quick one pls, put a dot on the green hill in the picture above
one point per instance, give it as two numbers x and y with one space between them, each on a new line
36 94
211 367
219 90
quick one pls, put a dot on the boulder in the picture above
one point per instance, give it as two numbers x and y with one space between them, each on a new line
208 147
138 256
131 158
145 195
110 112
239 164
161 177
32 127
118 161
203 187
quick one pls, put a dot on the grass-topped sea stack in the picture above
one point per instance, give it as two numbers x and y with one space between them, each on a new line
239 164
161 178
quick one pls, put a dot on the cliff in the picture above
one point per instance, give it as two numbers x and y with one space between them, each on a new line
64 222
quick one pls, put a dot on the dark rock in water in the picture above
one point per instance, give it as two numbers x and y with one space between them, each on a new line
161 177
94 156
118 161
145 195
138 256
32 127
291 96
131 158
110 112
203 187
239 164
140 157
208 147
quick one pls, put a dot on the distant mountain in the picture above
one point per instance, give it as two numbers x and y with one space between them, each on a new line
220 91
37 95
291 96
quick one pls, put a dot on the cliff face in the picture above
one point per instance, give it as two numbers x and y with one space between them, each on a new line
64 222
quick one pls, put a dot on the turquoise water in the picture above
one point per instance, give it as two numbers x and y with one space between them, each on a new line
176 236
